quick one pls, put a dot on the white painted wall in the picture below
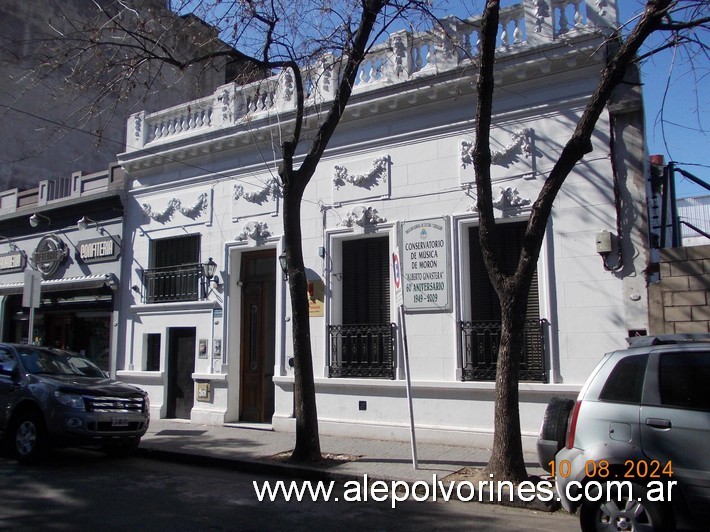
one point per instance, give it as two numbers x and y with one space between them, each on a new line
588 309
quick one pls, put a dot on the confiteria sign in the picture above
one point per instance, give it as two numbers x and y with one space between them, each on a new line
99 249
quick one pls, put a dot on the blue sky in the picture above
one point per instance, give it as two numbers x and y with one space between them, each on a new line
676 94
682 136
686 112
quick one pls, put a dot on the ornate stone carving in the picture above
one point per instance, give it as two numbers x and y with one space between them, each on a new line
137 126
175 204
288 85
379 170
509 201
541 12
254 230
601 7
521 142
271 190
400 55
361 216
225 99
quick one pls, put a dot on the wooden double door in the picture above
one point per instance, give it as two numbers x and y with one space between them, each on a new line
258 342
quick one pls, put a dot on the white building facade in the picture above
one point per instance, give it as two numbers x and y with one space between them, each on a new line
396 178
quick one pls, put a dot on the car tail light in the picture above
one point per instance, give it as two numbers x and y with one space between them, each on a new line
572 425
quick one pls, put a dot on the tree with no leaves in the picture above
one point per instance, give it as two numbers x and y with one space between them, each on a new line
680 19
264 36
124 49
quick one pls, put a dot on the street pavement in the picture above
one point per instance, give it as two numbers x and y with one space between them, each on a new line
258 449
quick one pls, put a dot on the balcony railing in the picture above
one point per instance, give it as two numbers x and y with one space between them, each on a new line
362 351
480 341
174 283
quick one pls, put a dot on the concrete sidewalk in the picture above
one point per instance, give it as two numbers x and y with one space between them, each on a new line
259 449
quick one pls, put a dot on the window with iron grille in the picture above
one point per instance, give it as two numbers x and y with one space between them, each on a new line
175 273
363 345
480 337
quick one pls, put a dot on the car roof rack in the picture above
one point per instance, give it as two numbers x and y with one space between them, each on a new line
660 339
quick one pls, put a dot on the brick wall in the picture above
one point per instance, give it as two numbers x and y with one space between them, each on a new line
680 302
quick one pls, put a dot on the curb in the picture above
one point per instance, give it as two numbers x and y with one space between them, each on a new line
313 473
247 466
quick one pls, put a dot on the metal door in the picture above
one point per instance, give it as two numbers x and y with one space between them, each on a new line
181 365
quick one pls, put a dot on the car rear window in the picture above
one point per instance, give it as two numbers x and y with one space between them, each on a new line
625 383
684 379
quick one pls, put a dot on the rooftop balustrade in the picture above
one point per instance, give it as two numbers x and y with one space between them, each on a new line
405 56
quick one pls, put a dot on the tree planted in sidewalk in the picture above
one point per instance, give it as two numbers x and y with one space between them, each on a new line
681 20
125 48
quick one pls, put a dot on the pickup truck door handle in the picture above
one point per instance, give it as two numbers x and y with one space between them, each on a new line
658 423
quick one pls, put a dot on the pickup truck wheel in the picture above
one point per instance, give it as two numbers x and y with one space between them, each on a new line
29 438
636 512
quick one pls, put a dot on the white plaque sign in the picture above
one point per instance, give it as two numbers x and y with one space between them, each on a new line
425 253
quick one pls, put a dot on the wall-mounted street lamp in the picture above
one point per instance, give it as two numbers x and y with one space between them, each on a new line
84 222
36 219
284 264
209 270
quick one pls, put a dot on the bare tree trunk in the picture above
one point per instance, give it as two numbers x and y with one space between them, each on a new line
507 460
307 446
294 182
507 457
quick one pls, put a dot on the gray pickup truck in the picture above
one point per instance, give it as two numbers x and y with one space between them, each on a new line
51 397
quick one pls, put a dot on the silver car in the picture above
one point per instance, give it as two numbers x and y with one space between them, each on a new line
51 397
636 454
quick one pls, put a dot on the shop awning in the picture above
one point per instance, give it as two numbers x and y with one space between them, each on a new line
70 283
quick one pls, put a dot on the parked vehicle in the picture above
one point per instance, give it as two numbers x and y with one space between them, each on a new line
643 416
52 397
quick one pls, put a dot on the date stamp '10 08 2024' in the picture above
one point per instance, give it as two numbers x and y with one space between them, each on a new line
629 470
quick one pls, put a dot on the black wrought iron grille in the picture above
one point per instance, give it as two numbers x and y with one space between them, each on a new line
173 283
479 350
362 351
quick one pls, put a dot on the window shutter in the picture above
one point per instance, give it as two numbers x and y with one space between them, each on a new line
484 300
366 291
175 251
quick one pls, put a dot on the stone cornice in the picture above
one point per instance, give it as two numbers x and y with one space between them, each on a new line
436 89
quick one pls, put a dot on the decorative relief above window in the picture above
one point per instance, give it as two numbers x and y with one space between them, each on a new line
270 191
250 200
509 202
254 230
379 170
516 159
361 216
361 180
175 205
521 143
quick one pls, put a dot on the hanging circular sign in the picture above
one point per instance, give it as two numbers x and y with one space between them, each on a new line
49 254
396 271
